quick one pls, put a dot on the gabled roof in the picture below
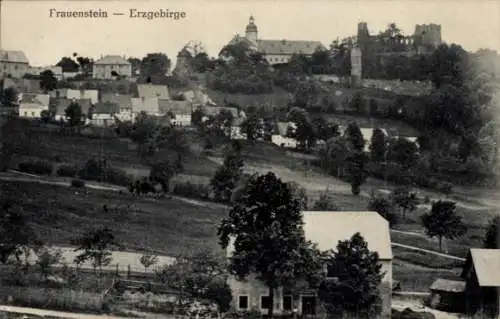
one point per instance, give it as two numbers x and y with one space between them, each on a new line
328 228
13 56
486 263
112 60
150 106
41 99
176 107
448 285
106 108
288 47
83 94
59 105
149 91
122 100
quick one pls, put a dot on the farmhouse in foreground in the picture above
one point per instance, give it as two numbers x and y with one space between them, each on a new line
325 229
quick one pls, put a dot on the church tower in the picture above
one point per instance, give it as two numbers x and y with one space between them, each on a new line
251 31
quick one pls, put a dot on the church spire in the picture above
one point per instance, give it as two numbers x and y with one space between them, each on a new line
251 30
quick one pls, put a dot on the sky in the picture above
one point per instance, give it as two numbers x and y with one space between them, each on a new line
26 25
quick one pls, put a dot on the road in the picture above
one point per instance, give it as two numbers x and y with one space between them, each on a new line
52 313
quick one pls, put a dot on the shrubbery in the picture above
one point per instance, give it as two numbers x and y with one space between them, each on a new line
191 190
67 171
99 171
77 183
37 167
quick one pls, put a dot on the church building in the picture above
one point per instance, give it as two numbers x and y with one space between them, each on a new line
275 51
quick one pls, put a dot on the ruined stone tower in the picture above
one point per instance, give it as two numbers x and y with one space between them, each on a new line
356 66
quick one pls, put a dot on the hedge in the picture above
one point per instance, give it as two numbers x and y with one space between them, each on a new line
38 167
191 190
67 171
78 183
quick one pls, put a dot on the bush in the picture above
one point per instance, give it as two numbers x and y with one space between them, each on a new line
37 167
101 172
66 171
192 190
77 183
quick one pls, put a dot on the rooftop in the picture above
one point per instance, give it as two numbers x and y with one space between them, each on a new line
112 60
13 56
448 285
487 266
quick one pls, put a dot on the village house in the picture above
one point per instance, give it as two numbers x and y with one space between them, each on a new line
274 51
111 66
282 139
58 107
178 111
149 106
93 95
13 63
56 71
32 105
482 275
150 91
237 115
448 295
325 229
124 102
103 114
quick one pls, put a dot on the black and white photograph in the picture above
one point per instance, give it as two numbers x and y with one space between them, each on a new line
228 159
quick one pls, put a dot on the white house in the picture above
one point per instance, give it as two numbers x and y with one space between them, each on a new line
325 229
124 102
179 111
13 63
32 105
110 66
103 114
281 139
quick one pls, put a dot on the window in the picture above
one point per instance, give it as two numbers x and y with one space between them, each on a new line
243 302
287 303
265 302
25 113
33 114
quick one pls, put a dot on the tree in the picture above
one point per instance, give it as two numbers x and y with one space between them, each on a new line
74 114
492 234
378 146
162 172
267 239
67 64
193 274
356 171
46 260
46 116
324 130
354 137
325 203
405 200
333 156
96 247
252 127
299 193
403 152
48 81
10 96
219 292
227 176
197 116
357 273
304 132
443 222
384 207
148 261
154 67
15 232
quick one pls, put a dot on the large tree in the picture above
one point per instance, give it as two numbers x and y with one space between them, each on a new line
154 67
264 229
492 235
384 207
356 170
67 64
406 200
443 222
227 177
354 137
74 114
355 274
95 246
378 146
48 81
304 132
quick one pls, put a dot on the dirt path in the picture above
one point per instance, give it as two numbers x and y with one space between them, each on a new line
52 313
431 252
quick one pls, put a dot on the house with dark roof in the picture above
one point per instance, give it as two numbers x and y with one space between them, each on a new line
111 66
178 111
325 229
32 105
58 107
448 295
124 101
482 289
275 51
103 114
13 63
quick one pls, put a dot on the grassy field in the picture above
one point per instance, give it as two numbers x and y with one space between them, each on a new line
58 214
